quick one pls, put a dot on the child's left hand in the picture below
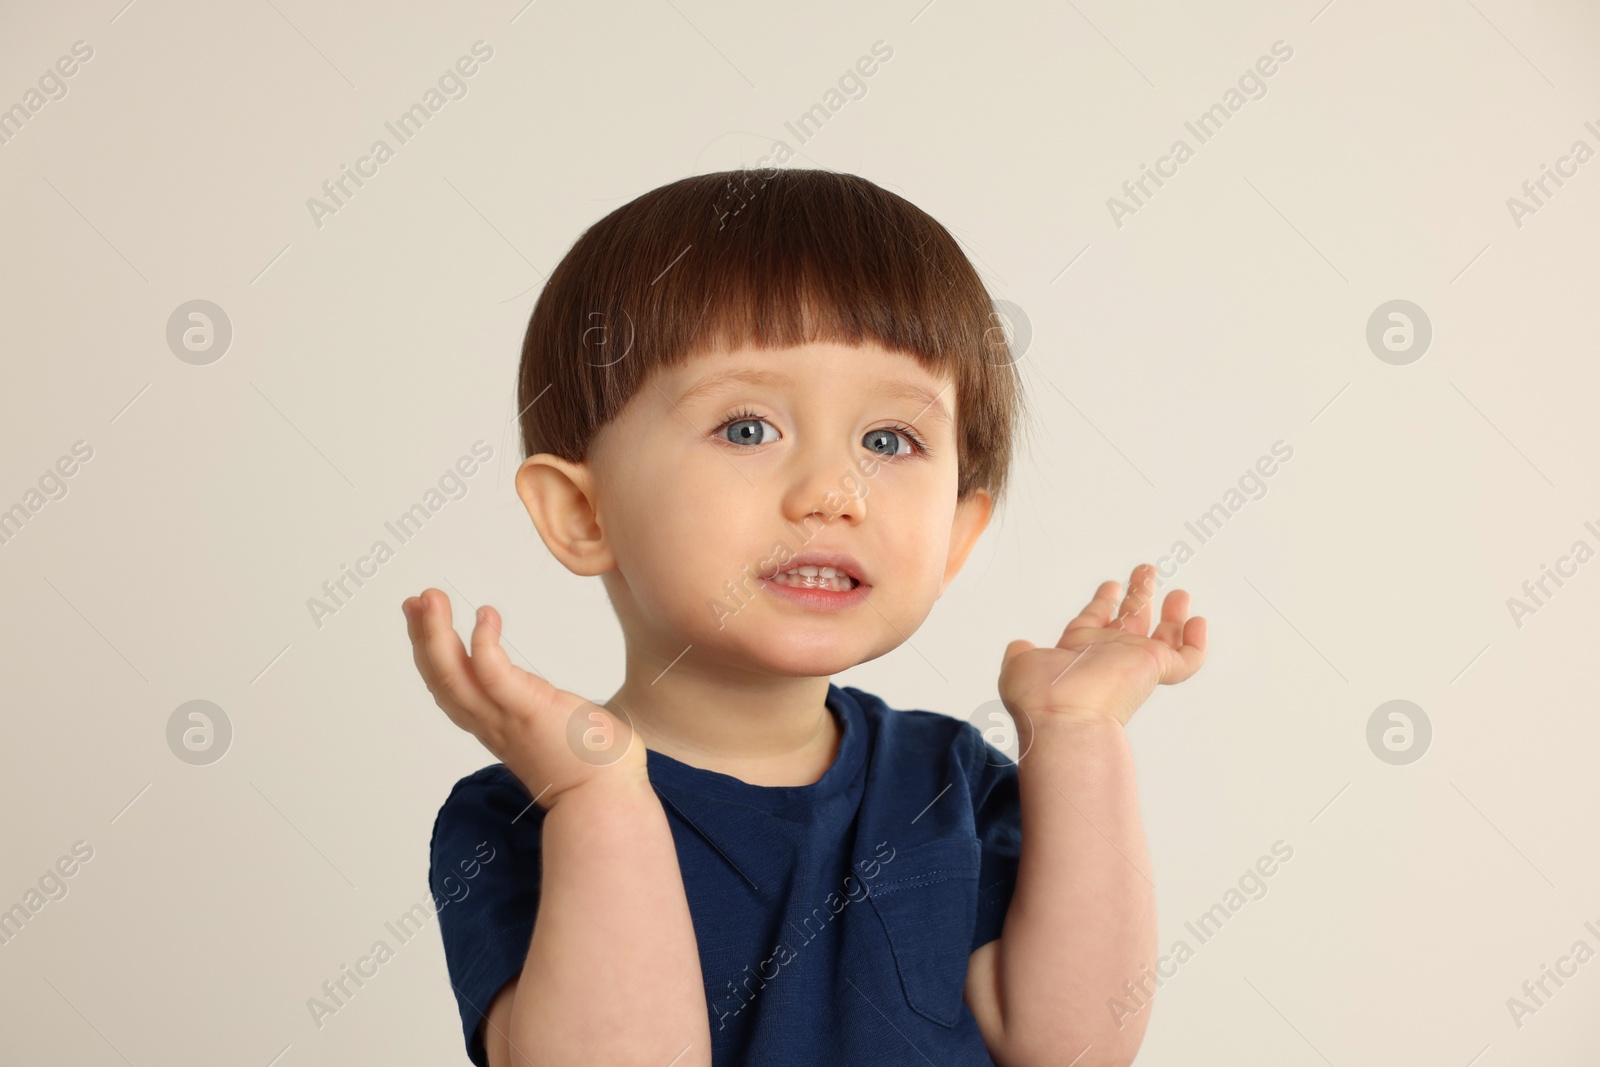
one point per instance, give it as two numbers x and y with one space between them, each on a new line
1104 668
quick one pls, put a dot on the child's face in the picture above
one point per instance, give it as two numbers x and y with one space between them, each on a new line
698 494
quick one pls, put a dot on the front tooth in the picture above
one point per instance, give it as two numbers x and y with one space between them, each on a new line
809 571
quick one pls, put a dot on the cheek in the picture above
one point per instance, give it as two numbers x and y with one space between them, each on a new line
932 560
689 554
677 549
916 517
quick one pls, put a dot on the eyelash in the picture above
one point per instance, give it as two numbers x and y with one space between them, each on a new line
906 431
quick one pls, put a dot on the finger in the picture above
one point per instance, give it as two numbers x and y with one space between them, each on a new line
1191 654
1096 613
1174 611
1134 613
417 611
506 684
441 658
1019 645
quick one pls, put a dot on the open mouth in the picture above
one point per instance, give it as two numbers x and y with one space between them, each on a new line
828 578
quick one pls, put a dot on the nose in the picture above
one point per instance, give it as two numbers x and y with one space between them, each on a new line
826 482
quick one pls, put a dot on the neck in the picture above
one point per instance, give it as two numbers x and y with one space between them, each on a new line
761 728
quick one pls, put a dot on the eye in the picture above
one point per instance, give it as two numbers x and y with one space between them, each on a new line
746 427
884 438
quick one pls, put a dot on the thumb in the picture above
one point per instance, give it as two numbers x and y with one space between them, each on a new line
1019 645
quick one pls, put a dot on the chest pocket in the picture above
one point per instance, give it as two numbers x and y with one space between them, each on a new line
928 904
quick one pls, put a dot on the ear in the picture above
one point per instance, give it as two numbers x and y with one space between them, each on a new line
559 496
972 518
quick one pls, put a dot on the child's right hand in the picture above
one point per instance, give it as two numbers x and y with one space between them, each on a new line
552 740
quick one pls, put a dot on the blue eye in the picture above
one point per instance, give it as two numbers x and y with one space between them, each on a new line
892 442
887 434
746 427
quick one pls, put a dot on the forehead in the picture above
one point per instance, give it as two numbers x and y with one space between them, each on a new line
867 369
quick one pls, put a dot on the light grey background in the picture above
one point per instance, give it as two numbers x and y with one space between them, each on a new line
1168 354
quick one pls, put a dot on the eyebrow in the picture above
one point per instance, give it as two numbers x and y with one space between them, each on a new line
894 389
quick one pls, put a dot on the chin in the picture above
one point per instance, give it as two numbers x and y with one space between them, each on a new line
817 659
789 656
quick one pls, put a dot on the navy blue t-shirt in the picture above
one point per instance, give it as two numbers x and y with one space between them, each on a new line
834 920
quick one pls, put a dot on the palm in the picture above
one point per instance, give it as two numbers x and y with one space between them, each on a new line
552 740
1105 665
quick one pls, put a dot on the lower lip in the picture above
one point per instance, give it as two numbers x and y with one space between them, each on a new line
817 599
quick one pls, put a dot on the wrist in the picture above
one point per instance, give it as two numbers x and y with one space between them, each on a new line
1082 718
1073 730
612 788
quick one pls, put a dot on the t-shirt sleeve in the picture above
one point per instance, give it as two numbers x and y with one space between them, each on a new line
483 870
997 818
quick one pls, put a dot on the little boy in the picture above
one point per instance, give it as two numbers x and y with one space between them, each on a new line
773 412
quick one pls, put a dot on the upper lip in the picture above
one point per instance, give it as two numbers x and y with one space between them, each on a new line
836 560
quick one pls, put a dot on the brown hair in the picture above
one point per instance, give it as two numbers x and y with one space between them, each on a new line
768 258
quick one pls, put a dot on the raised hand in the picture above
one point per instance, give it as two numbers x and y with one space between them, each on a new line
1105 665
552 740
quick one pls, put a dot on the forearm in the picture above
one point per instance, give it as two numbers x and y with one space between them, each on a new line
613 969
1082 916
